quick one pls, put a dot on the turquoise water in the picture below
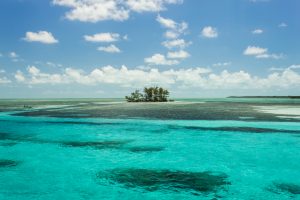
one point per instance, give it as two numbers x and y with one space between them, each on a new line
97 158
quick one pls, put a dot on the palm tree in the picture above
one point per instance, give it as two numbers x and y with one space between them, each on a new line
156 94
165 95
151 94
136 96
147 94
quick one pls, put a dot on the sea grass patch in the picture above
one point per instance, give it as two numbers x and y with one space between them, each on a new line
235 129
13 137
146 149
84 123
96 144
177 181
290 188
8 163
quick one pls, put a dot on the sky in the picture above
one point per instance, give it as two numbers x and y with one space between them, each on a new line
108 48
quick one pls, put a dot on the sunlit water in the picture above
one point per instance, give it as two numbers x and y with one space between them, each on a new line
61 158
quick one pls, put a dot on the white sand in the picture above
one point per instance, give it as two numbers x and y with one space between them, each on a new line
281 111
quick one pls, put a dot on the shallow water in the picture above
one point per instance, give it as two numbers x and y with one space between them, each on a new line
44 157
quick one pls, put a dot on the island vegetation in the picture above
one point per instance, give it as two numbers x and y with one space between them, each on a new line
150 94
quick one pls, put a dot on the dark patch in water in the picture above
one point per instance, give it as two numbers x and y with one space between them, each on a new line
66 122
84 123
151 180
4 136
290 188
8 144
8 163
210 110
13 137
142 149
236 129
96 145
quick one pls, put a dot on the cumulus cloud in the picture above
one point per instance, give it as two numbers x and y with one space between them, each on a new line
13 55
257 31
167 23
220 64
292 67
198 77
4 80
181 54
109 49
149 5
209 32
94 10
102 37
177 43
259 52
19 76
40 36
254 50
159 59
273 56
174 29
118 10
282 25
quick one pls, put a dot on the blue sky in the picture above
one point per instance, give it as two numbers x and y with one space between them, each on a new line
107 48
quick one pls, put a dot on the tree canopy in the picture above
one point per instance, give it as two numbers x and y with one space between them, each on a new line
150 94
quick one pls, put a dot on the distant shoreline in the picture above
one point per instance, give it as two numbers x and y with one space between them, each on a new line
271 97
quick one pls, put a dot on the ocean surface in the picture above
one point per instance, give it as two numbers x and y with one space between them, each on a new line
187 149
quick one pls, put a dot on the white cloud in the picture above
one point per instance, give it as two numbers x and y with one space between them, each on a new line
171 34
40 36
13 55
273 55
259 52
150 5
220 64
254 50
177 43
118 10
167 23
282 25
110 49
178 54
159 59
4 80
94 10
257 31
175 29
292 67
209 32
19 76
202 78
102 37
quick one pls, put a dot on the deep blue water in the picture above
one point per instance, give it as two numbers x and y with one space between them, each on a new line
61 158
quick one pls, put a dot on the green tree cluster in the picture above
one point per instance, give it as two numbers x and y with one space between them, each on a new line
151 94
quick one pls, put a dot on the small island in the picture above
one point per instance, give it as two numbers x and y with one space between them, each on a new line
151 94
